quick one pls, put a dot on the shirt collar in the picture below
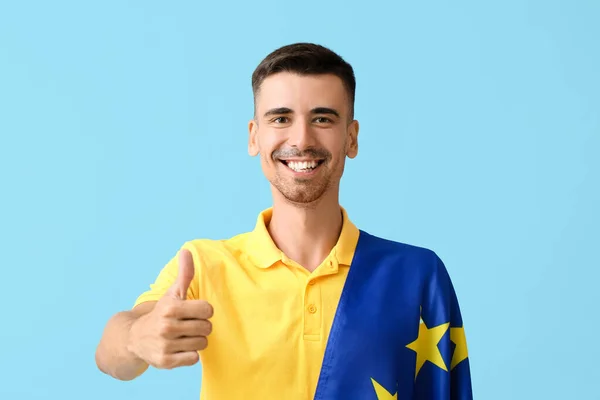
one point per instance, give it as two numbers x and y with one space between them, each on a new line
264 252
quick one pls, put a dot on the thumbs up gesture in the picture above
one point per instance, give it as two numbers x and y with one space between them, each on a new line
175 330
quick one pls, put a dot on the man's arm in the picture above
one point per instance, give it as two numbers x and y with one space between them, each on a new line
113 354
441 308
164 333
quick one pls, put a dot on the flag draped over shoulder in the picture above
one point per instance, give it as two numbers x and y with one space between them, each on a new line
398 331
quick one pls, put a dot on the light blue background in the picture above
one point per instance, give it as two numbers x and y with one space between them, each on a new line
123 133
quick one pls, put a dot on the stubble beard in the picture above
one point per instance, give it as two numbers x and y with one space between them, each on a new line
299 191
304 192
307 192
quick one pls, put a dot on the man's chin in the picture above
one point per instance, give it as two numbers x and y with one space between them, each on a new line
300 198
300 191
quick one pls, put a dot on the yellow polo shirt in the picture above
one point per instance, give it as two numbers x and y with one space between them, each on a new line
272 317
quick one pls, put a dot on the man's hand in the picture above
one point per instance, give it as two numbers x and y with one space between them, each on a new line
176 329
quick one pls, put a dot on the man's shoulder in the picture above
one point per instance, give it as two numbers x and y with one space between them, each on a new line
394 255
207 246
393 245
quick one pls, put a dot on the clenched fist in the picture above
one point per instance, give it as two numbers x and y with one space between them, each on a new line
176 329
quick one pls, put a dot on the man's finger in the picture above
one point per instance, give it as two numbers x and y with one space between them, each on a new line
189 328
174 360
188 344
185 275
186 359
191 309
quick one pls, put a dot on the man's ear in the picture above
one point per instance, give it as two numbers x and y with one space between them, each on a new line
252 138
352 142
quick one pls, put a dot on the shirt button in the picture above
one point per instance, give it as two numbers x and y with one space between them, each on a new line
311 283
331 265
312 309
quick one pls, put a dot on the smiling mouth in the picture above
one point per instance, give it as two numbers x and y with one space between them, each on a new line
302 166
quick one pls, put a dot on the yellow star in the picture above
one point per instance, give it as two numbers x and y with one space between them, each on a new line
426 346
382 393
457 335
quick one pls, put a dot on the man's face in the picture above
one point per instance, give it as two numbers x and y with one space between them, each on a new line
303 132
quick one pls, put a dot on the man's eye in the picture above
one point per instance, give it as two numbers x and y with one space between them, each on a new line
280 120
322 120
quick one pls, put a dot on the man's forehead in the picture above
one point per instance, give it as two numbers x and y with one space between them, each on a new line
306 91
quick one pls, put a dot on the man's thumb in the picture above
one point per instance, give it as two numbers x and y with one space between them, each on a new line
184 276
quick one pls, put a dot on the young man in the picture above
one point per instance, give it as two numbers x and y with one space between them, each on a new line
306 305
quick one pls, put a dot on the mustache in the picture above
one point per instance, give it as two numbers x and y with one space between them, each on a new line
294 152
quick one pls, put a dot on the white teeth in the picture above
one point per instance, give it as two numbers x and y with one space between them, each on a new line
300 166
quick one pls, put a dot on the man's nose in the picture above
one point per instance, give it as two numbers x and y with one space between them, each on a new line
301 135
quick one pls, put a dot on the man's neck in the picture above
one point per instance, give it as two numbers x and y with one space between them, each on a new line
306 234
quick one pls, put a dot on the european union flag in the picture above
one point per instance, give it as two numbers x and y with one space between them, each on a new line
398 331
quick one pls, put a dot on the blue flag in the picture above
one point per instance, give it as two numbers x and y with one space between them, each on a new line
398 331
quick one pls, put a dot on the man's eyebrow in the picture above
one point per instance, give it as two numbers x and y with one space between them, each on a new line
278 111
325 110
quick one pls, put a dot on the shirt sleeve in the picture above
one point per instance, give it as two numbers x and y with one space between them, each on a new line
167 276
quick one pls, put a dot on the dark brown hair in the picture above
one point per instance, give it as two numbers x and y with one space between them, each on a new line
306 59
